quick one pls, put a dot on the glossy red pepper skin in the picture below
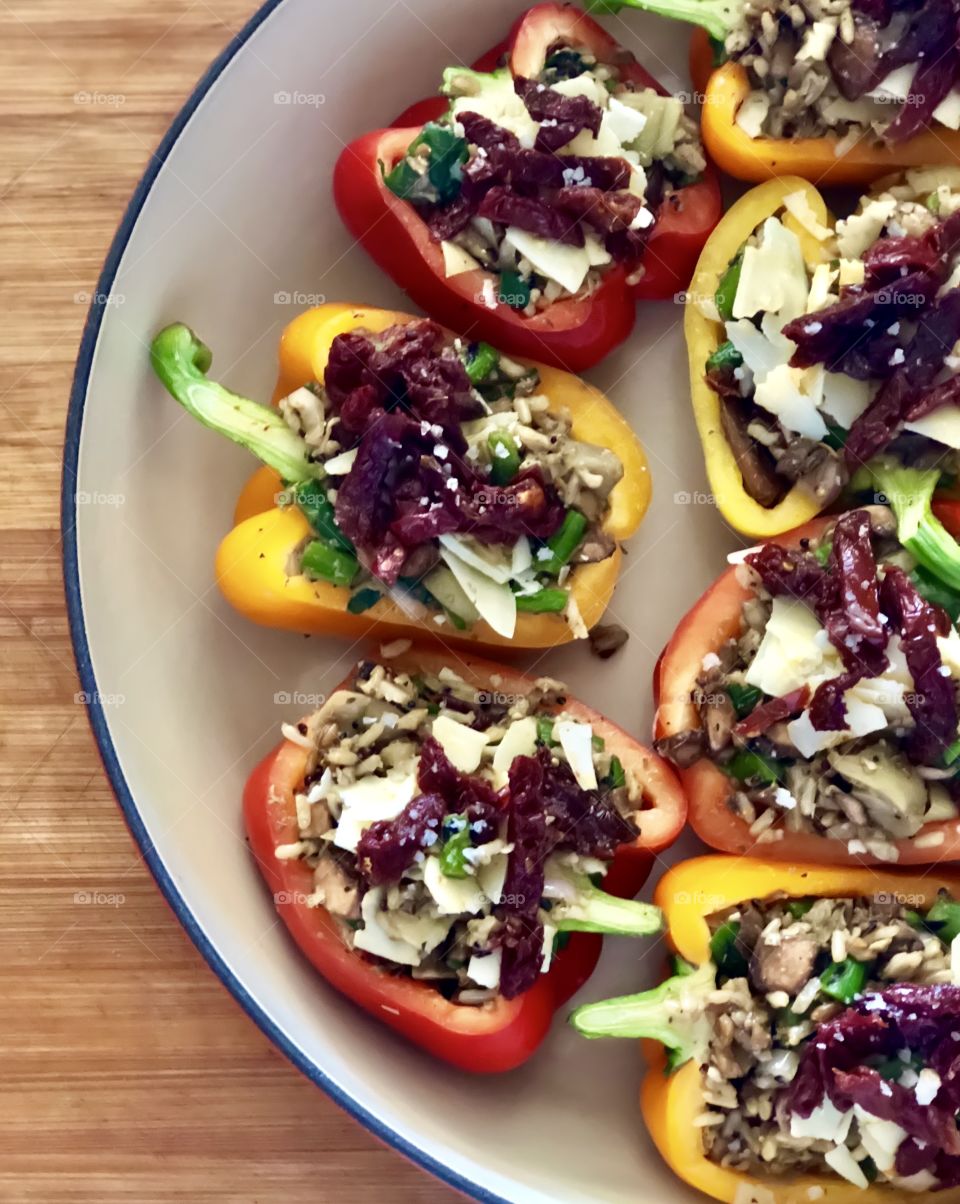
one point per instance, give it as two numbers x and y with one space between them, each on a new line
947 510
504 1033
710 623
575 333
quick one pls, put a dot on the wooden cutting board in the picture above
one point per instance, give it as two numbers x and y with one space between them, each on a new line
128 1073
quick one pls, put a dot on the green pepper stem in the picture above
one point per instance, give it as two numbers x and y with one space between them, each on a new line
593 910
717 17
909 492
673 1013
181 361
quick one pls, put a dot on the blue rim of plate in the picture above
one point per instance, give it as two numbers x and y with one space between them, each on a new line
81 648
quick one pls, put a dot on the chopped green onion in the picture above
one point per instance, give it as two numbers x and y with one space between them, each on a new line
514 290
727 288
836 436
725 953
544 601
933 202
504 457
311 499
403 180
745 764
456 832
844 980
362 600
442 179
725 356
936 592
616 777
545 732
951 752
744 698
563 543
821 553
799 907
483 359
331 564
943 918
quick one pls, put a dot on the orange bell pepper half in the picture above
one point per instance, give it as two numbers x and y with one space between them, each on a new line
503 1033
722 91
671 1101
254 563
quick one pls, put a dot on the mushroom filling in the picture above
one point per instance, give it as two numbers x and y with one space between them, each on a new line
451 484
547 183
838 345
835 709
456 834
833 1030
864 70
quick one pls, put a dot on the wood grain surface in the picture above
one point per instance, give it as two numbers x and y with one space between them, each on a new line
128 1073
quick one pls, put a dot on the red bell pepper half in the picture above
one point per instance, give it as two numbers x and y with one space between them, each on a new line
575 332
503 1033
714 620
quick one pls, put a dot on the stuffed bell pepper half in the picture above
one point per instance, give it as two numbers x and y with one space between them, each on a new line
417 479
434 840
806 1047
836 91
810 698
815 347
543 200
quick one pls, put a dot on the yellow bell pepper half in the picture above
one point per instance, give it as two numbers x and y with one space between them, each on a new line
704 335
255 564
671 1102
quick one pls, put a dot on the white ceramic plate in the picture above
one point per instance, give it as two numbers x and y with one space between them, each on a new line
233 231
